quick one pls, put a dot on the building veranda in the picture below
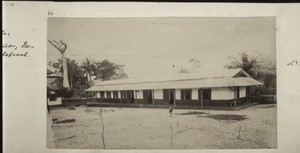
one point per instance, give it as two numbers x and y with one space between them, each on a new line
228 88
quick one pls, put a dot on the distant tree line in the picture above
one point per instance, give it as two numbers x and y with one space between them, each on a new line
258 69
254 65
83 76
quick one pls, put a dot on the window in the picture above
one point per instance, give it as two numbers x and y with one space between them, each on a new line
186 94
206 94
108 94
101 94
123 94
115 93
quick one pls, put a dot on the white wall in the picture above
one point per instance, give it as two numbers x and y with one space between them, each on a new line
178 97
139 94
242 92
105 94
158 94
97 94
195 94
224 93
119 94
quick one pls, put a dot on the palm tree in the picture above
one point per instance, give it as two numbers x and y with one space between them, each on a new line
88 67
247 63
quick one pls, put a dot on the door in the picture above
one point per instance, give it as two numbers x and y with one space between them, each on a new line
150 98
171 99
199 94
147 96
200 97
237 92
130 96
206 94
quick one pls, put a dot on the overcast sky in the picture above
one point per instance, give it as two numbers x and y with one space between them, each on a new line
150 46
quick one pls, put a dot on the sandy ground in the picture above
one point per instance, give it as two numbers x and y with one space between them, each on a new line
147 128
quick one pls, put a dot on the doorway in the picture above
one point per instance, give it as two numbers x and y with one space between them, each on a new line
147 96
130 96
171 98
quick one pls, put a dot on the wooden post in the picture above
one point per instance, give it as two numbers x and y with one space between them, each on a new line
248 99
247 95
259 93
136 96
105 96
108 95
235 96
174 96
201 98
106 99
121 96
152 97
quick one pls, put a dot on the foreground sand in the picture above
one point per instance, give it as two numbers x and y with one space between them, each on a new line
147 128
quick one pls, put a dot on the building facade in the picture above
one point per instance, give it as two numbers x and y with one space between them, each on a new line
228 88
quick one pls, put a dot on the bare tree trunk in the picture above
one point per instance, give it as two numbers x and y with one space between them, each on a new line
102 124
65 71
62 47
171 136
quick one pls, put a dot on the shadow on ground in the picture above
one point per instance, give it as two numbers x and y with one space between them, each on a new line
191 113
227 117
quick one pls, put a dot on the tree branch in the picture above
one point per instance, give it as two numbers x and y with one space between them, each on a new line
61 47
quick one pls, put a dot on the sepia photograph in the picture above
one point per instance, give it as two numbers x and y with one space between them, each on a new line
141 83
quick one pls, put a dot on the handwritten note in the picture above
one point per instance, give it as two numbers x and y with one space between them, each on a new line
293 63
11 49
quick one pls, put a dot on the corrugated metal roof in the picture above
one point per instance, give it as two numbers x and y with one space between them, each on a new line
207 80
185 76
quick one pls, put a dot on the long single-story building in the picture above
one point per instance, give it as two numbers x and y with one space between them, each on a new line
211 88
